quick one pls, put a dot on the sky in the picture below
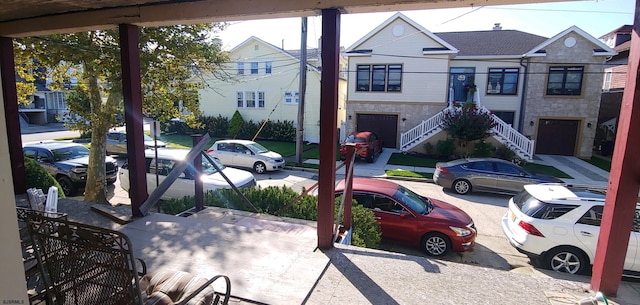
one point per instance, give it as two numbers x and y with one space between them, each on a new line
545 19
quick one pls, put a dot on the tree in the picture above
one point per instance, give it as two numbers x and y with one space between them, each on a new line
172 60
468 123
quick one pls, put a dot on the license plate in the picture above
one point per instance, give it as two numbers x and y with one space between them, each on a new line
513 216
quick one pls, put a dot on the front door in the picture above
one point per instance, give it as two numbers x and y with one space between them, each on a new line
460 79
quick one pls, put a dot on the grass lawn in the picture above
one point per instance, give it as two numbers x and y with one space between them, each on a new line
411 160
601 163
410 174
546 170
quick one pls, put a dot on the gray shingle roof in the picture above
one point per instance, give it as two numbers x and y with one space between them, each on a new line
496 42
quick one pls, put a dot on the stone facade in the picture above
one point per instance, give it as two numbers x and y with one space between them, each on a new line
583 107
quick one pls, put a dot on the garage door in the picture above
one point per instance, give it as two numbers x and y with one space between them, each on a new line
384 125
557 137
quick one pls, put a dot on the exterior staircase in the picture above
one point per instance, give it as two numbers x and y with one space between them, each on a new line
502 132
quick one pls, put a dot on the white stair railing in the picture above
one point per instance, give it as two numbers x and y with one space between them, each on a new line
509 136
415 135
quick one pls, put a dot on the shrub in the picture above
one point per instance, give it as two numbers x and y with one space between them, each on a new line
217 127
235 124
38 177
271 200
483 149
445 148
468 123
505 153
429 150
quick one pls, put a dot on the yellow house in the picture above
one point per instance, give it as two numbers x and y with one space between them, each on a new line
264 83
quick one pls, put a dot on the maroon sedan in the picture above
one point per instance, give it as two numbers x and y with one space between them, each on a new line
366 142
404 216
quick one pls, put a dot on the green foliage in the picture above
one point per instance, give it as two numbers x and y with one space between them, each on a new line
216 126
468 123
278 131
235 124
483 149
429 149
274 200
445 148
365 230
505 153
248 130
38 177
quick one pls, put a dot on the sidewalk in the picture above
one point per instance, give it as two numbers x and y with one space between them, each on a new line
583 173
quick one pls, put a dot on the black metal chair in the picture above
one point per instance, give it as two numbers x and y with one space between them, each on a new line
83 264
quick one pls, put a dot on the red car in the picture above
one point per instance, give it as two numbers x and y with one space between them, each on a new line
404 216
363 139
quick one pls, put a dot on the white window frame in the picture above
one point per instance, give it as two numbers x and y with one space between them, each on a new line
608 74
240 68
268 67
246 98
291 97
255 67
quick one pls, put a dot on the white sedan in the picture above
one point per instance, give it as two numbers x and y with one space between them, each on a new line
168 158
246 154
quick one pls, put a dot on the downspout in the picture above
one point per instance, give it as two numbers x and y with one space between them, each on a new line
523 98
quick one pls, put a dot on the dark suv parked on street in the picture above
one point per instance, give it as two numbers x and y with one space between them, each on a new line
68 163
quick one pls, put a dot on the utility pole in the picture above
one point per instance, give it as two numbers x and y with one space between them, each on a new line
301 91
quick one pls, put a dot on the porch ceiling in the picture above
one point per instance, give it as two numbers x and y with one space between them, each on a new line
39 17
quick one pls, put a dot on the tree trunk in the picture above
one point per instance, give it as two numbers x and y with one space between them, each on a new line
95 190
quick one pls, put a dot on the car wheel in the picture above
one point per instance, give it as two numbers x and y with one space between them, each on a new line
370 156
436 244
461 187
67 186
567 259
259 168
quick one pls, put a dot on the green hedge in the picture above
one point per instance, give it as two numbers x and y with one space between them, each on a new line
38 177
272 200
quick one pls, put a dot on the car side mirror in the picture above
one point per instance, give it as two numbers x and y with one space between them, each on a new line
404 214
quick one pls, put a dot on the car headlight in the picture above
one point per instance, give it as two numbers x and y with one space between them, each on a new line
79 170
271 161
461 231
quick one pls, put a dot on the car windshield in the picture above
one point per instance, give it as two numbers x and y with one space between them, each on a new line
354 139
147 138
257 148
419 204
207 167
72 152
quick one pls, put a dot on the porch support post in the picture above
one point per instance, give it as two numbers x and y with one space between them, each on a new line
132 94
622 192
10 98
328 122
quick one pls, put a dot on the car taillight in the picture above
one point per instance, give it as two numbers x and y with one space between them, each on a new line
529 228
442 170
209 151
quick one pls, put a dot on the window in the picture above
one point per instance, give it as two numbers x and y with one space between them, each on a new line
247 99
250 99
503 81
565 80
240 68
593 216
363 78
267 67
260 99
507 169
291 97
607 79
481 166
254 67
379 78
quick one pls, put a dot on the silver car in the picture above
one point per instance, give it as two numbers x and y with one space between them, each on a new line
117 142
246 154
486 175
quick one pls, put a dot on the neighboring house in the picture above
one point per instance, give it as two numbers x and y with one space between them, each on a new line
615 77
543 92
264 84
46 106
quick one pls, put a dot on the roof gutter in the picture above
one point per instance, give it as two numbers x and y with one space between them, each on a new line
523 98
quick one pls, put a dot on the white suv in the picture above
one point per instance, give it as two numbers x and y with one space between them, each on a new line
557 227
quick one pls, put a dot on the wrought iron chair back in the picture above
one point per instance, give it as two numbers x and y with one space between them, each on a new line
83 264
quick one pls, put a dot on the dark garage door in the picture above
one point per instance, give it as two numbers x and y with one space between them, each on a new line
557 137
384 125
